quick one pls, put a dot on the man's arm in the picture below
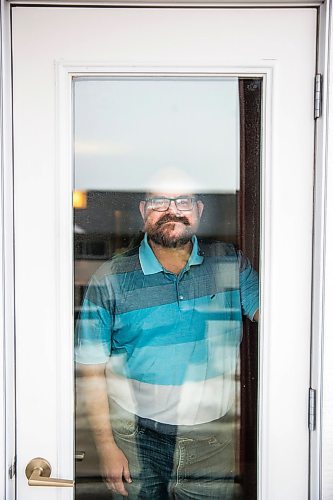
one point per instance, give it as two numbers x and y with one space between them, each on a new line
249 288
114 464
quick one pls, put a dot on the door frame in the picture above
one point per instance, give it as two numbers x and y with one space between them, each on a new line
321 439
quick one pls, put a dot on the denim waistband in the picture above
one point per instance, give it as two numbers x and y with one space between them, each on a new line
195 431
171 430
213 427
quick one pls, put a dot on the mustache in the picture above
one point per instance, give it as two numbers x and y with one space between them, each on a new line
172 218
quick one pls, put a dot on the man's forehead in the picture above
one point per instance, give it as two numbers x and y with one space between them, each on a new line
169 194
173 181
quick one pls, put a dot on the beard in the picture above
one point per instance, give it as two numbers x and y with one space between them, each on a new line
161 232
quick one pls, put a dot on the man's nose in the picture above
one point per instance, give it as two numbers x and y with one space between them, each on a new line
173 206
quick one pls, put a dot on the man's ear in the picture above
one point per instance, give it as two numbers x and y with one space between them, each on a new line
200 206
142 207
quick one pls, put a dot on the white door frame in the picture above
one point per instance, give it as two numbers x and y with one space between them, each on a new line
321 440
322 320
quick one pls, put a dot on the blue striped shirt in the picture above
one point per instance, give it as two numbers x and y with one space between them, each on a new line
163 335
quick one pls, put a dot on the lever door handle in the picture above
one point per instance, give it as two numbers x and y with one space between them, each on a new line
79 455
38 472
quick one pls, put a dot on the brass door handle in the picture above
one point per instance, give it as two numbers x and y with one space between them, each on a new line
38 472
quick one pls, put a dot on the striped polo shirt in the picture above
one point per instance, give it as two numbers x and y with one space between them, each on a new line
170 342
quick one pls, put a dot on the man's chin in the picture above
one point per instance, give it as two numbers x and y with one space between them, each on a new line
170 241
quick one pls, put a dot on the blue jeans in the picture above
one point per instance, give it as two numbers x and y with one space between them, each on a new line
192 463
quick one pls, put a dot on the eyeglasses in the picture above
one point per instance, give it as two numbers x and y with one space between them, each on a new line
183 203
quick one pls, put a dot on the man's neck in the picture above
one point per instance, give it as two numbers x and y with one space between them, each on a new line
172 259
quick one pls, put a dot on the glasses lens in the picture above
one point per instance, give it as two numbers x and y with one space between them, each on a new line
185 203
159 204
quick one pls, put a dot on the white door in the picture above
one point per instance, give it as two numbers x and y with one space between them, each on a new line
52 47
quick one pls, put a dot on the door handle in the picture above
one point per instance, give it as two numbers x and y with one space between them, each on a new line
38 472
79 455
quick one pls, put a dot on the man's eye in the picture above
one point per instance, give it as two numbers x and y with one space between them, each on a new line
183 202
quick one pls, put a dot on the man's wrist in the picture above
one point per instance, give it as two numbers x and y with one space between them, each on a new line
105 448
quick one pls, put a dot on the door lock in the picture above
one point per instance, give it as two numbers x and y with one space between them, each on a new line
38 472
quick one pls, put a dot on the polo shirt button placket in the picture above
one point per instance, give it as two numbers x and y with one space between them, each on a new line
179 295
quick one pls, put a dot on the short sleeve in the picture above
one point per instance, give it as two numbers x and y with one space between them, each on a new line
94 325
249 287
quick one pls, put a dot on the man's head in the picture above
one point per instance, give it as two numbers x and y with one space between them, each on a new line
171 219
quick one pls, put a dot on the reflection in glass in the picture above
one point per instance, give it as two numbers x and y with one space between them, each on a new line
165 251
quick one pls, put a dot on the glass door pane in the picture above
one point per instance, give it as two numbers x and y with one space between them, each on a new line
166 239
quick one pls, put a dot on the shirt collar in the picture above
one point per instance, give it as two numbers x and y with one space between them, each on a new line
150 264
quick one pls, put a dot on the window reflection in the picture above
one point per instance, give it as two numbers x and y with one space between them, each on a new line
174 373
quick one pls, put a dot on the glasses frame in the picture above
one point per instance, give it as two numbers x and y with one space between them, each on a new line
192 199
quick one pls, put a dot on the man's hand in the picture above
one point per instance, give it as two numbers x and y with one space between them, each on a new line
113 462
115 469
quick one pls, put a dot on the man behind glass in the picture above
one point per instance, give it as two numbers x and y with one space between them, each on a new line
158 342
